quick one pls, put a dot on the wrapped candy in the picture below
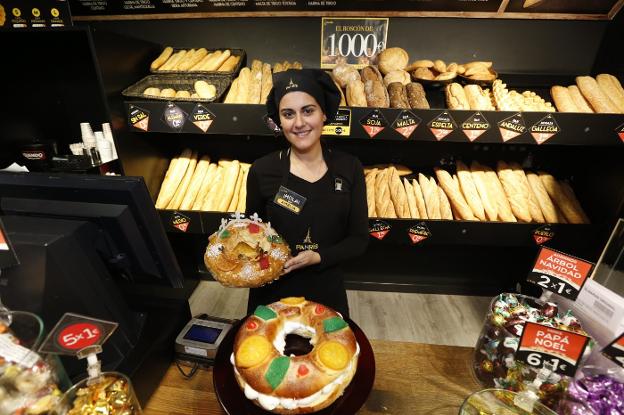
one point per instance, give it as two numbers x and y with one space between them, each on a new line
597 391
498 402
110 394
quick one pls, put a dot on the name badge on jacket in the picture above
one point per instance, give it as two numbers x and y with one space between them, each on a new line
289 200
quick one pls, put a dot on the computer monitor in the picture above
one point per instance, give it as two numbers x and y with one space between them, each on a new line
137 249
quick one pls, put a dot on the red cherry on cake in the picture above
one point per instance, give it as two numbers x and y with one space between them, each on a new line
303 370
253 228
264 262
319 309
252 325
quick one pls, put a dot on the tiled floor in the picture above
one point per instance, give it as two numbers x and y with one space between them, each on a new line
422 318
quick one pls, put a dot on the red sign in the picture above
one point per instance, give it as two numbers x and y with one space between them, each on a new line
379 229
566 268
442 125
620 132
4 246
615 350
78 336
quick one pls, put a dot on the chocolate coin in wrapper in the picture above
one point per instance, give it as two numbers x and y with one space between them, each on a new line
498 402
110 394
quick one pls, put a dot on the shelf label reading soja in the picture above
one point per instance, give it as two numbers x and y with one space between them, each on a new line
354 41
560 273
374 123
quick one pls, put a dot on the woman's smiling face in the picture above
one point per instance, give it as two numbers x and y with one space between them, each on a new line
302 120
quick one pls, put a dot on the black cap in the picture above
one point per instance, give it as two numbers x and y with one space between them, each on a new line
315 82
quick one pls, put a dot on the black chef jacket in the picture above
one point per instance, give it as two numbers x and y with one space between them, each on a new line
333 222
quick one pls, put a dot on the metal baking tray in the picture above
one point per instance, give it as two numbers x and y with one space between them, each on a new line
234 52
178 82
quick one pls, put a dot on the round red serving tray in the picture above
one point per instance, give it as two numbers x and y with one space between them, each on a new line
234 402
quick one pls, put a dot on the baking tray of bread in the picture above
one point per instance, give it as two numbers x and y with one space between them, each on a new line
201 60
178 87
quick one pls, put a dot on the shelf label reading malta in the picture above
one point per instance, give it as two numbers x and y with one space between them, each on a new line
542 344
406 123
475 125
615 350
560 273
512 127
545 129
354 41
341 126
374 123
442 125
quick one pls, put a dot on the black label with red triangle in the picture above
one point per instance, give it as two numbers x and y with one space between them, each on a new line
615 350
419 233
543 234
512 127
139 118
545 129
379 229
442 125
475 125
374 123
406 123
202 117
180 222
620 132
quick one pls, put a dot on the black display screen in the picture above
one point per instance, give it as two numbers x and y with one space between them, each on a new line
202 334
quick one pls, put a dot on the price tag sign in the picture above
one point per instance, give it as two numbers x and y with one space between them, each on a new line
8 258
74 332
615 350
541 344
560 273
341 126
379 229
355 41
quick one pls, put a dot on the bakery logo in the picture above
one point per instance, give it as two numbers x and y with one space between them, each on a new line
201 117
341 125
34 155
379 229
272 125
374 123
139 118
174 117
545 129
419 233
442 125
511 127
475 125
615 351
620 132
180 221
307 244
291 85
543 234
406 123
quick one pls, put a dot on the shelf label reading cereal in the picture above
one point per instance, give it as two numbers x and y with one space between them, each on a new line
442 125
201 117
419 233
543 234
139 118
379 229
542 344
615 350
620 132
545 129
511 127
74 332
174 117
475 125
374 123
180 222
406 123
352 40
560 273
341 125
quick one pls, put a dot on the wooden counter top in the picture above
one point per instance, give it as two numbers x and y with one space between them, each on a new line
411 378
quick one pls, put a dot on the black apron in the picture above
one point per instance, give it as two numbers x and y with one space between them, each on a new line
326 207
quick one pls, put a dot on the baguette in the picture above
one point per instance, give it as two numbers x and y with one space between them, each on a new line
456 97
230 176
184 184
398 196
579 100
420 200
534 208
376 94
563 99
560 198
592 92
244 85
567 190
431 197
391 211
453 192
545 204
612 88
411 199
239 181
445 206
173 61
211 62
211 201
232 93
242 195
487 197
382 193
174 176
469 191
202 62
495 188
401 169
267 83
166 183
213 66
230 64
255 91
186 58
193 59
162 58
209 177
370 192
196 183
518 199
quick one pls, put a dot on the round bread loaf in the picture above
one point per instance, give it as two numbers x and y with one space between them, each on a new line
246 253
392 59
294 384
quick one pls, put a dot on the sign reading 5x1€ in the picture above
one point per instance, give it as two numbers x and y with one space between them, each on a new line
355 41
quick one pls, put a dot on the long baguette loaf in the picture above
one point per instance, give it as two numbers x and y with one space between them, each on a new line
580 102
518 198
411 199
255 90
211 201
495 188
232 93
244 86
230 64
420 200
567 190
229 184
210 175
563 99
469 191
558 195
267 82
160 204
162 58
613 89
592 92
487 197
196 182
432 200
239 182
456 97
172 181
397 193
534 209
445 206
242 195
545 204
453 192
382 193
184 184
193 60
370 192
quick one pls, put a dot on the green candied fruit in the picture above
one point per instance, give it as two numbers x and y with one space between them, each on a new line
265 313
225 234
334 324
275 239
277 371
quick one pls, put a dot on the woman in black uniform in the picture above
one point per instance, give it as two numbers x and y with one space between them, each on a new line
313 196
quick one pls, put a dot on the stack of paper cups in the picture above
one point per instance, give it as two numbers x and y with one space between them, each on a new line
108 135
88 138
104 147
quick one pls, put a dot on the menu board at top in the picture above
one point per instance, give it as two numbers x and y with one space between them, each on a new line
23 14
561 6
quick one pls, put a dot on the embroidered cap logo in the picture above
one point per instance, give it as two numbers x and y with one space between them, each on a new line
291 85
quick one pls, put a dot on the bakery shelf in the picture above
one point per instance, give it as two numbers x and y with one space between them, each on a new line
244 119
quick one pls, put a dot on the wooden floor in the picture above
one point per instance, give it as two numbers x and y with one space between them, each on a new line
422 318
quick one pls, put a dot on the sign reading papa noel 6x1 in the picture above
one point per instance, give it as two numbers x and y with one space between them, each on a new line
560 273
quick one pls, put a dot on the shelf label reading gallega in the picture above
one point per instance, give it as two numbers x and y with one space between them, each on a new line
543 234
379 229
374 123
615 350
406 123
620 132
202 117
541 344
174 117
545 129
560 273
442 125
180 222
418 233
512 127
139 118
74 332
475 126
341 125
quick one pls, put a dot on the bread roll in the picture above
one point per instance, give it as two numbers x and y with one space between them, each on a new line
382 194
182 94
398 95
416 96
478 100
420 200
456 97
398 196
487 199
469 191
242 195
370 192
173 178
205 90
152 91
162 58
516 194
431 197
612 88
422 63
563 99
445 206
391 59
376 94
580 102
545 204
356 97
397 76
569 193
424 74
196 183
495 188
534 209
371 73
209 177
411 199
454 194
184 184
167 92
345 73
592 92
558 195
